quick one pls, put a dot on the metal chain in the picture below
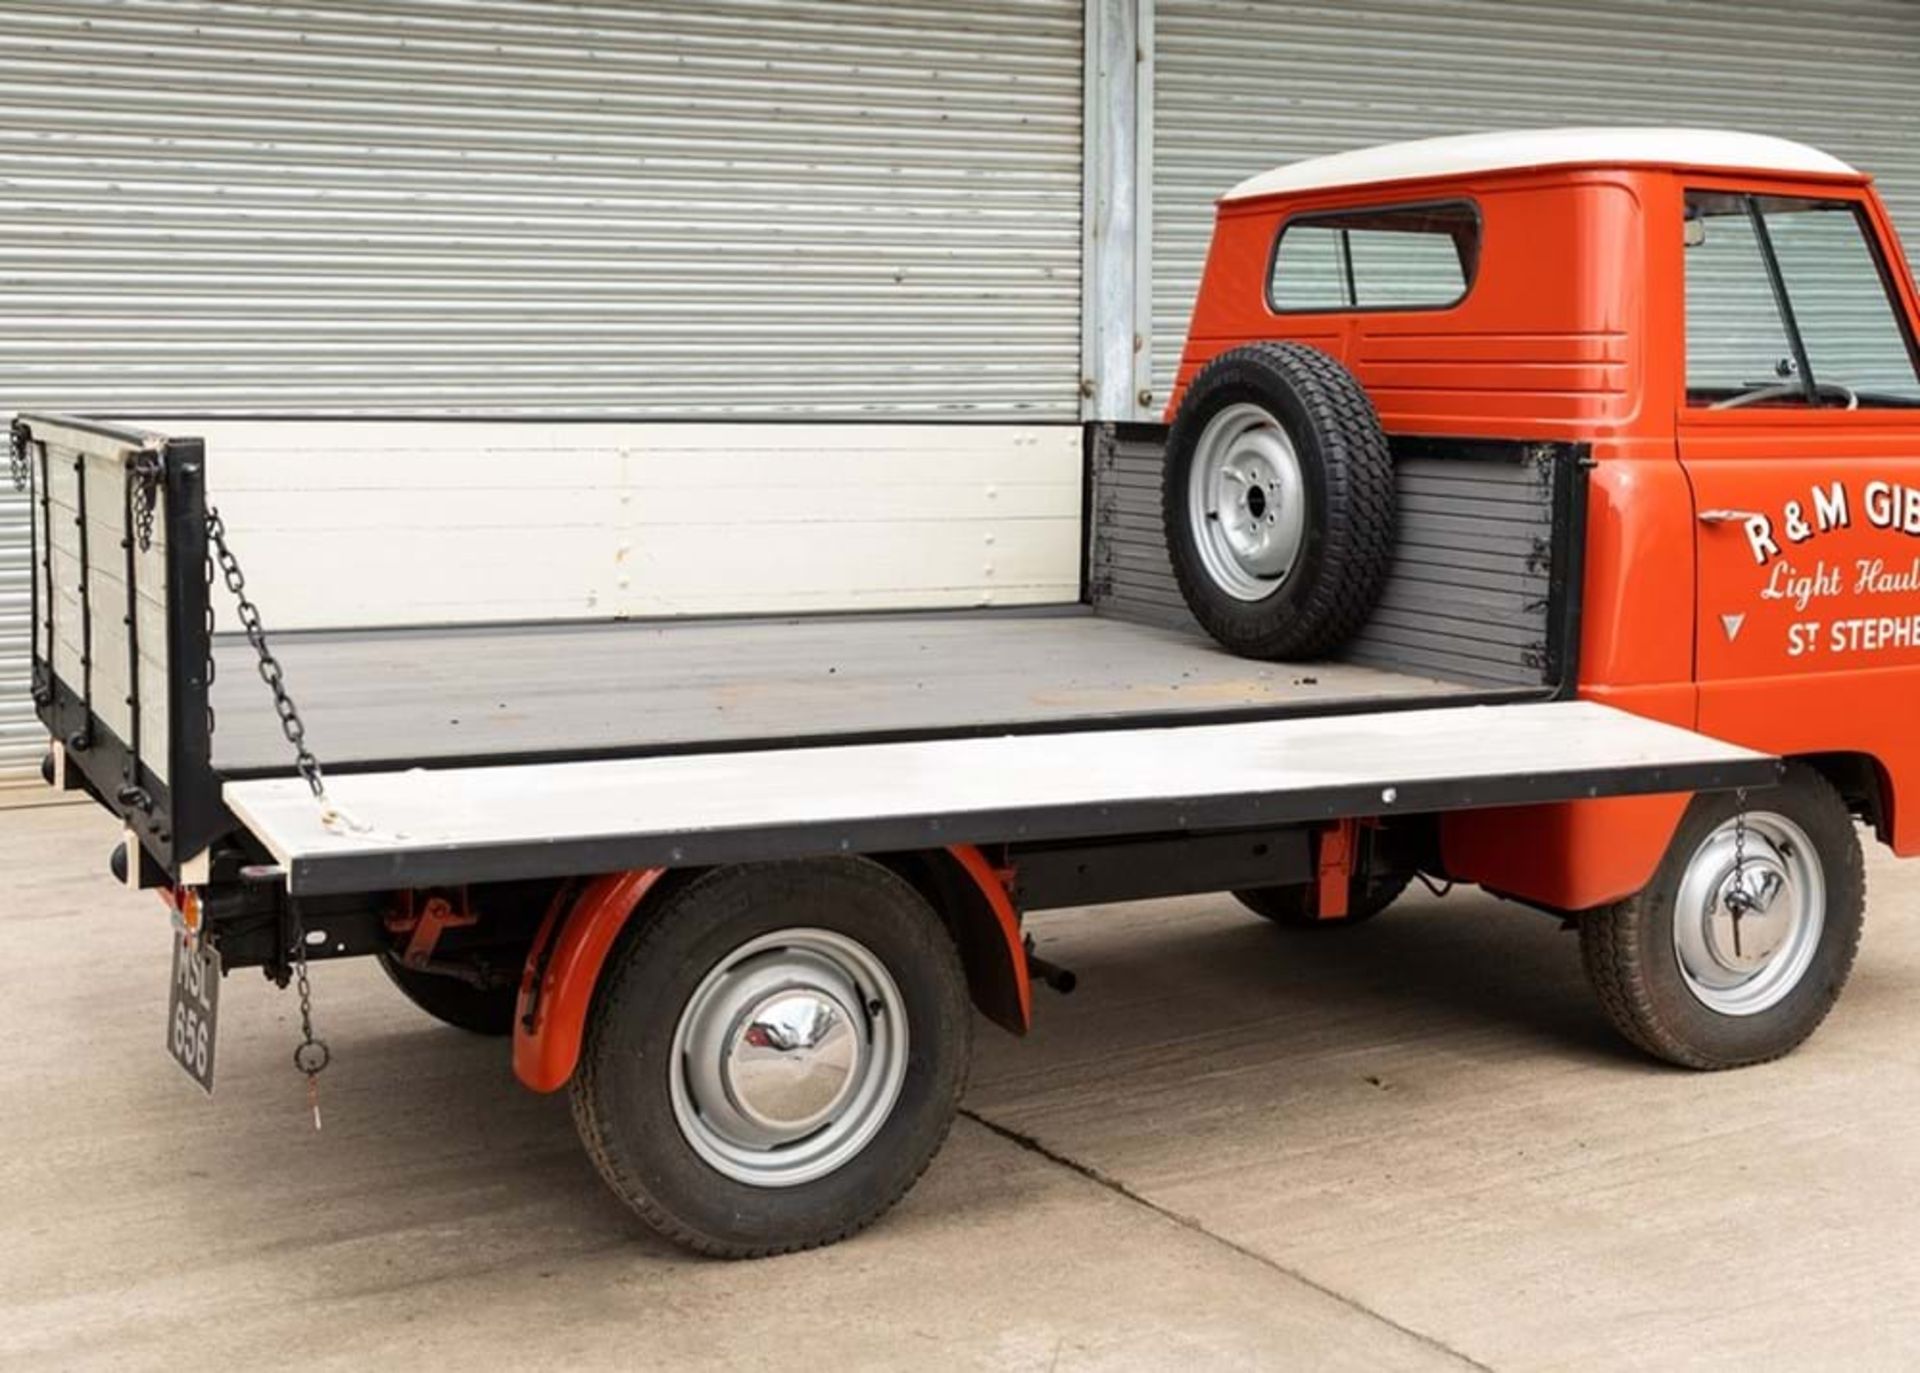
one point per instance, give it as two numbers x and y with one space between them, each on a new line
145 472
1739 900
311 1055
271 672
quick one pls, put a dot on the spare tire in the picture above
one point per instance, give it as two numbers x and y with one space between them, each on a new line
1278 501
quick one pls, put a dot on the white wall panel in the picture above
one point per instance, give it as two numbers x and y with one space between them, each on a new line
1243 85
352 523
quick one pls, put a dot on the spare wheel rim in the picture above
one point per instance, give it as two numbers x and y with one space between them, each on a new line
1247 502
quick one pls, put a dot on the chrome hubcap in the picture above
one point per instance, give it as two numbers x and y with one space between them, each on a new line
1745 939
793 1060
788 1057
1246 502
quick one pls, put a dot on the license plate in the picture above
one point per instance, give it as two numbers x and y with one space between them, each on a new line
193 1007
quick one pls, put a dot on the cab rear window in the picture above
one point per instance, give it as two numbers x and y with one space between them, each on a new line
1395 257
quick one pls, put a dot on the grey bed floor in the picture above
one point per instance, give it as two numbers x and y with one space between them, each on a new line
386 696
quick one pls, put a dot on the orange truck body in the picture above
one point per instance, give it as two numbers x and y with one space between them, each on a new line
1799 636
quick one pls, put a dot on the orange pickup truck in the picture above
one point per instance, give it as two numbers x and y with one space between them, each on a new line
1538 510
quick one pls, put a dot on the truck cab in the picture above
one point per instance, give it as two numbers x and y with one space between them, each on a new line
1726 325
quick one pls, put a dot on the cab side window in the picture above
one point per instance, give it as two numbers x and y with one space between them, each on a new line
1790 304
1401 257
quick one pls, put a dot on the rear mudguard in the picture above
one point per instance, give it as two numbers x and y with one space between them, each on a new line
569 952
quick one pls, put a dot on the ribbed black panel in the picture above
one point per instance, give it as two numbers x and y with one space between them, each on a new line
1468 595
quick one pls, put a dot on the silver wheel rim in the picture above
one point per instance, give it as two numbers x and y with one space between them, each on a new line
1247 502
789 1057
1744 964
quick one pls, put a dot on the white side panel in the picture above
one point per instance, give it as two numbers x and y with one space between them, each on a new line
363 523
1244 85
86 597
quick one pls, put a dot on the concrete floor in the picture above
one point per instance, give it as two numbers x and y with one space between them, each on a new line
1413 1145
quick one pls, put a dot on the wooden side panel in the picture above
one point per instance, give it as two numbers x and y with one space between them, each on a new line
89 639
351 524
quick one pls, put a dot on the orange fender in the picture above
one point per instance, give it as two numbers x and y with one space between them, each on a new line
1571 855
563 967
557 987
992 887
1575 855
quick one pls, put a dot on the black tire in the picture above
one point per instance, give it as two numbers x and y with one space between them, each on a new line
477 1010
622 1094
1347 474
1631 960
1296 907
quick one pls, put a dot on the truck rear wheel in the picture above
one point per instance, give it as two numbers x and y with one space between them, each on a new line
1278 501
774 1055
478 1010
1689 980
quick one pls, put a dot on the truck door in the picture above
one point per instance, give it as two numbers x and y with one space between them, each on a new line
1800 435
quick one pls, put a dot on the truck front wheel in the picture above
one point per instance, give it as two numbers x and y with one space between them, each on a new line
774 1055
1740 945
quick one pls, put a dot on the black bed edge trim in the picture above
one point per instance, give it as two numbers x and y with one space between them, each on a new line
437 865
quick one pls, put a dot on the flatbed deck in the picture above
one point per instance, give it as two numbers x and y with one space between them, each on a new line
539 750
379 699
420 827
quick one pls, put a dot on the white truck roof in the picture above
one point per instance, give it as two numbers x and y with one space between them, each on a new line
1522 148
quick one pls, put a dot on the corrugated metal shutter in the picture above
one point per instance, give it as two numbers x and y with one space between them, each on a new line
1243 86
685 208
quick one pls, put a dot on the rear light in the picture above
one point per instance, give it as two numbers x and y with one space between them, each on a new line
184 902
